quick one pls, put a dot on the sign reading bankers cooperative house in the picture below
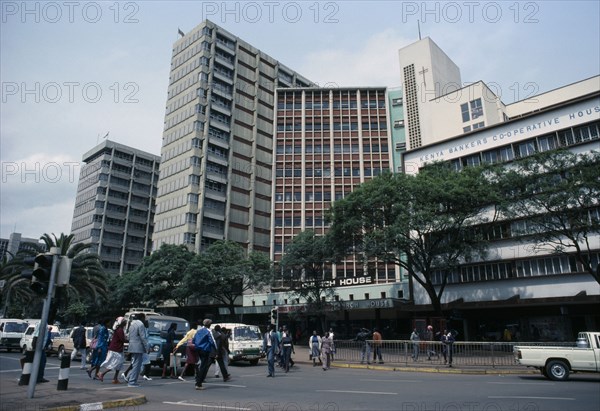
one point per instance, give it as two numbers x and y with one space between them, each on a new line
503 134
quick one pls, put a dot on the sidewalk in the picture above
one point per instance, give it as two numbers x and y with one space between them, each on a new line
79 396
87 394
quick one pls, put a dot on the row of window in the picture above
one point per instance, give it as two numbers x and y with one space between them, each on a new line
373 147
562 138
373 125
326 172
535 267
324 105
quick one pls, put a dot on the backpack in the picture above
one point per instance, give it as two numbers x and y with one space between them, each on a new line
202 340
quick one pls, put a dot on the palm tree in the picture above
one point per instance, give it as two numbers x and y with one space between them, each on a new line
15 288
88 279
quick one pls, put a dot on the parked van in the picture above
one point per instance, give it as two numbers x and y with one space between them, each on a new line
245 342
11 331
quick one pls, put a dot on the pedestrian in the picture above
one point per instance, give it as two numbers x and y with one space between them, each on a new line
220 353
205 345
47 336
287 348
314 345
191 357
138 345
326 348
79 344
416 340
365 349
271 347
377 338
443 336
331 335
114 358
450 338
101 349
167 351
429 338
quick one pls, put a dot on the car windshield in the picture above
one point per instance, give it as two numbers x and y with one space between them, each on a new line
15 327
156 325
246 333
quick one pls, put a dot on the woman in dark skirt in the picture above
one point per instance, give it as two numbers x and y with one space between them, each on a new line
190 350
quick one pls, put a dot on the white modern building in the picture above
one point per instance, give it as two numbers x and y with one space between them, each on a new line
513 286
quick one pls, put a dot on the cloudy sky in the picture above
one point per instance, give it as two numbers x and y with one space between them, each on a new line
71 72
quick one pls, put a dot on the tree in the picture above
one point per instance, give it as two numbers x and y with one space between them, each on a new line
225 271
556 194
162 273
304 262
15 288
88 279
423 223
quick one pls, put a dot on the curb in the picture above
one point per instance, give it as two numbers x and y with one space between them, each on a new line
127 402
435 370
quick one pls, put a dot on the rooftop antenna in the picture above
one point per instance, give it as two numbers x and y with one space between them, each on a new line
419 26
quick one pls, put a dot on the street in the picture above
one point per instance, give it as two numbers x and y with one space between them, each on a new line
312 389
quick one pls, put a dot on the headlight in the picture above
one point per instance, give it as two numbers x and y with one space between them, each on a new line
238 352
156 348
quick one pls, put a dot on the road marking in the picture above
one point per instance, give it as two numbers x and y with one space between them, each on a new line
224 385
519 397
360 392
521 383
211 405
391 380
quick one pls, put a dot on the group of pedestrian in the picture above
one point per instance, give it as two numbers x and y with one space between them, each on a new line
321 349
447 338
211 346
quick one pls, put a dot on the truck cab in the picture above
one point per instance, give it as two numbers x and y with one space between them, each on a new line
245 342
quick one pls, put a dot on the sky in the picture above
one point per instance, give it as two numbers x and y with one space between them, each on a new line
72 72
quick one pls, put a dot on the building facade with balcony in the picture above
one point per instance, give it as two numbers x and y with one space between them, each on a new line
114 207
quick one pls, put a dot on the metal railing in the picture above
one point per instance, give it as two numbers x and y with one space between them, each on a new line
464 353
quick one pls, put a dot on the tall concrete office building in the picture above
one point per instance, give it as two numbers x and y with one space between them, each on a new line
114 208
217 149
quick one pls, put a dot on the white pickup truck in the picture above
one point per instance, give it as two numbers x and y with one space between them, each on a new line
556 363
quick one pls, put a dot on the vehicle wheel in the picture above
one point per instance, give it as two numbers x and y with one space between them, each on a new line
254 362
61 352
557 370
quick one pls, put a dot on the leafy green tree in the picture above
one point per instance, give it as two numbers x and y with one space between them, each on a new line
160 276
225 271
303 265
557 194
423 223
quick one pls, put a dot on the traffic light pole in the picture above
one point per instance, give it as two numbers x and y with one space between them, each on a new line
43 330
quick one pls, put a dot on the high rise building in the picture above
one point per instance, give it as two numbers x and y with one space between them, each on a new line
9 247
114 208
328 142
217 150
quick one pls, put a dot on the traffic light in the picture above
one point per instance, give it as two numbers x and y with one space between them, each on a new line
274 315
63 273
40 272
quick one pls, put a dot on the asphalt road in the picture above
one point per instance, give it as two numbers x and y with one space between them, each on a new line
307 388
